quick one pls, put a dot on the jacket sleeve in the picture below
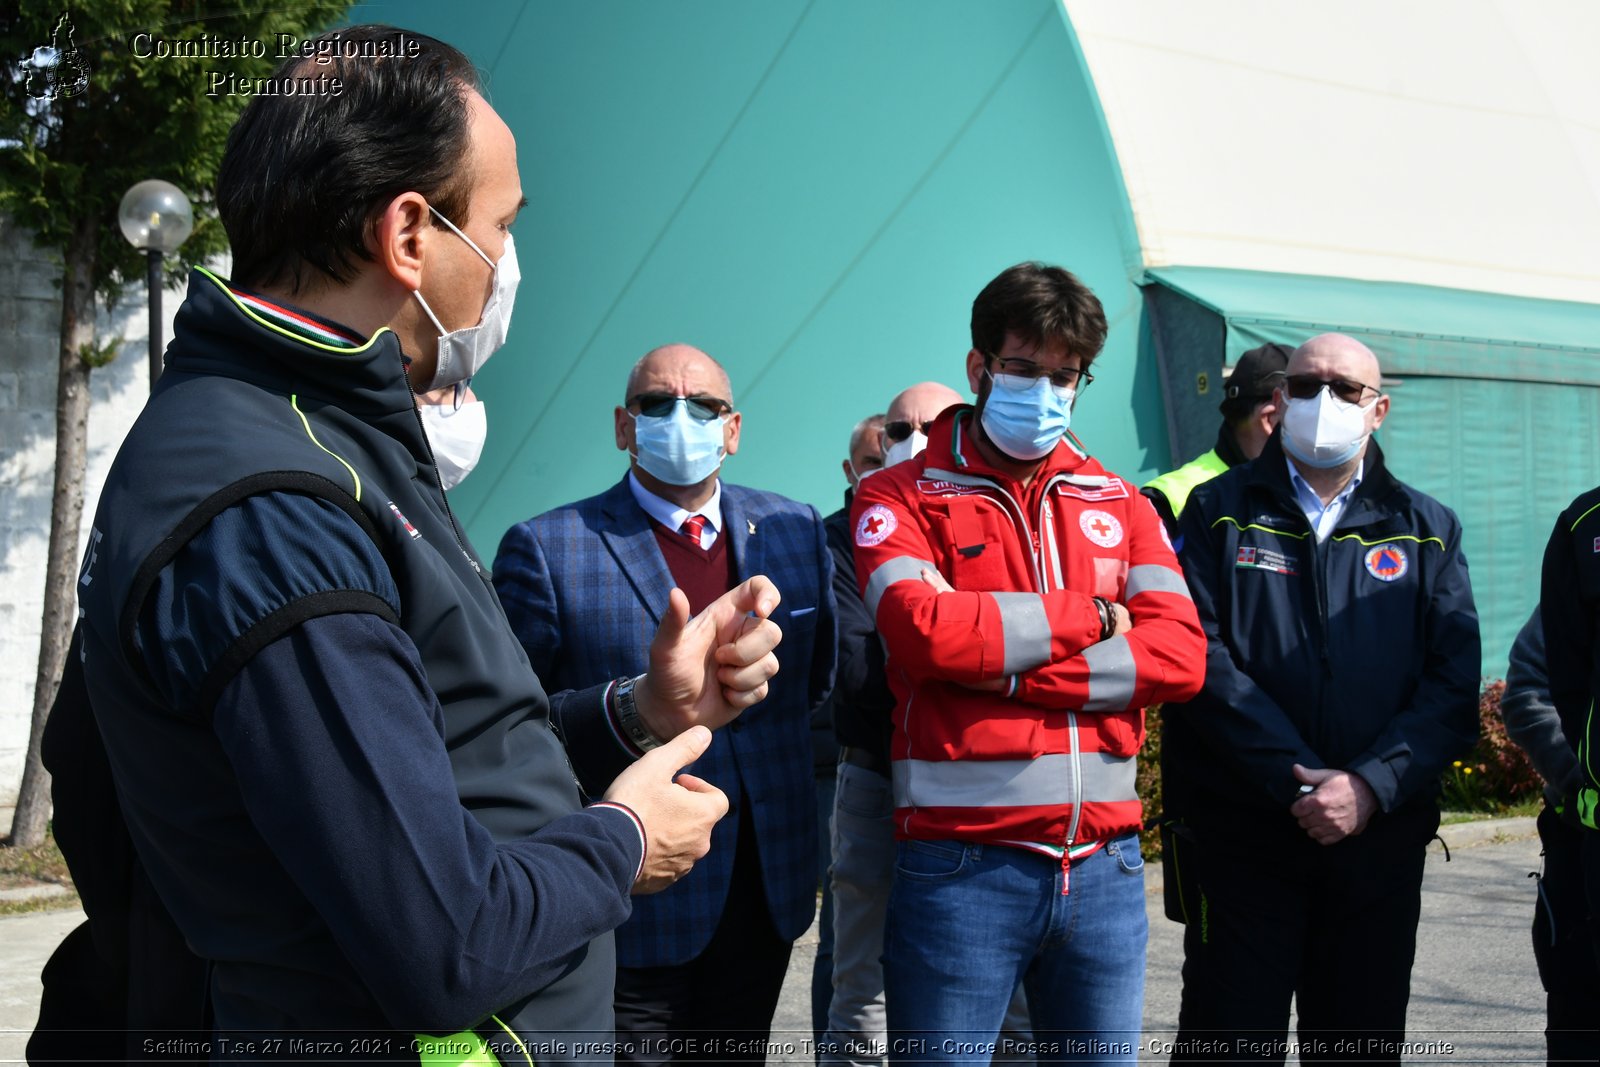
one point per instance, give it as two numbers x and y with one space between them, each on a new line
1251 737
1530 717
1047 646
1441 722
1568 620
335 739
1160 658
964 636
527 595
860 676
825 646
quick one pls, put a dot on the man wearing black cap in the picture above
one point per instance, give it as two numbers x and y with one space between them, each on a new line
1249 415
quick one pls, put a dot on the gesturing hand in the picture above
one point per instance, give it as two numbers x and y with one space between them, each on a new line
705 670
677 814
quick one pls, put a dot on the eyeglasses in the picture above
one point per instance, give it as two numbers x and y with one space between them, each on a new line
900 429
1307 386
1065 378
660 405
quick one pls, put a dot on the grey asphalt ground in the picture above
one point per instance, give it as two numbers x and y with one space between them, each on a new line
1474 989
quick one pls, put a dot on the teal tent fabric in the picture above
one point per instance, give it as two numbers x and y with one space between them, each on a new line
813 191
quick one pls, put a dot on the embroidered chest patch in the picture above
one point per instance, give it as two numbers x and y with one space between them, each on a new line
876 524
410 529
1101 527
1387 563
1255 558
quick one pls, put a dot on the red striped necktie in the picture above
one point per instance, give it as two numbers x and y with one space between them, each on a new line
693 527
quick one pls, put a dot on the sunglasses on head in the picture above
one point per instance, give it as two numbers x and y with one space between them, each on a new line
900 429
660 405
1307 386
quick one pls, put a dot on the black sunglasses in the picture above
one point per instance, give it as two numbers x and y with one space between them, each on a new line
900 429
660 405
1307 386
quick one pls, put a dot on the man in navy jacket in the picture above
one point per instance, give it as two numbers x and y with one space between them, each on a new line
1341 678
337 770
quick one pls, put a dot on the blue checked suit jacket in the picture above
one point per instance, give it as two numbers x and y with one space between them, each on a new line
585 586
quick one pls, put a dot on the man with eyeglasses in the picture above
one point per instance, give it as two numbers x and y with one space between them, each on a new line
1341 679
1030 608
699 966
1249 415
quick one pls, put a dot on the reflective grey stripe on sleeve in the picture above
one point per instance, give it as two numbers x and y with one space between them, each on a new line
1026 630
1044 780
897 569
1154 578
1112 675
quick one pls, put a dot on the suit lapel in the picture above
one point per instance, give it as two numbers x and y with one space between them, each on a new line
630 538
744 540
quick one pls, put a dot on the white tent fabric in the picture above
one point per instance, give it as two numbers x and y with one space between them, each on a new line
1442 142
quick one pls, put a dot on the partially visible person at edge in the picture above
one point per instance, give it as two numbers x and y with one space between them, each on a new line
1030 608
852 1005
700 967
1563 925
863 457
1341 679
457 426
339 773
1249 415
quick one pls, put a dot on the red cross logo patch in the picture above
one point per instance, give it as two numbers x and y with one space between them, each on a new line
876 524
1101 527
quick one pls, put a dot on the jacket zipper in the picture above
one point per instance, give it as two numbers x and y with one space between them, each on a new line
1041 586
1075 749
444 497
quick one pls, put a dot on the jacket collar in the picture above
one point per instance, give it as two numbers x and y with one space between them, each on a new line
1227 448
1269 473
951 448
227 331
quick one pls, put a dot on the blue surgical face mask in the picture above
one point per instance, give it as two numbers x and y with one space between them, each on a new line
679 448
1026 417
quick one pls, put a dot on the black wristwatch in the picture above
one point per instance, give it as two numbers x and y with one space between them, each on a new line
1108 618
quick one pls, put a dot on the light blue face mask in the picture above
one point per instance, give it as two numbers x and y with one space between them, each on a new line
679 449
1026 418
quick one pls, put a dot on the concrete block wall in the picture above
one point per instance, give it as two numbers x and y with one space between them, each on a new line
30 320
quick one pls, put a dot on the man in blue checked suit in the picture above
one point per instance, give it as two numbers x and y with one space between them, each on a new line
585 586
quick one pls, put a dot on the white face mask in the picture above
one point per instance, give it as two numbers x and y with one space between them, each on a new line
1324 432
456 435
905 449
463 352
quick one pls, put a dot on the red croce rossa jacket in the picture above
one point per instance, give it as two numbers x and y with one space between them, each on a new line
1049 758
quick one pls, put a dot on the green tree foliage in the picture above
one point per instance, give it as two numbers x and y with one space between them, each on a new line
69 155
96 95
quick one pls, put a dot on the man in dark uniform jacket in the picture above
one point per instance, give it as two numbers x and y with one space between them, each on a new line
341 777
1342 670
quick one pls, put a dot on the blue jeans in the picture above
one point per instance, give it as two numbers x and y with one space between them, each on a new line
967 922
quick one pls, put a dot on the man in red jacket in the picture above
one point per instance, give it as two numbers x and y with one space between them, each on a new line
1030 606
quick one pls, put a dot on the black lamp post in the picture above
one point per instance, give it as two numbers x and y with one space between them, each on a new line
156 218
